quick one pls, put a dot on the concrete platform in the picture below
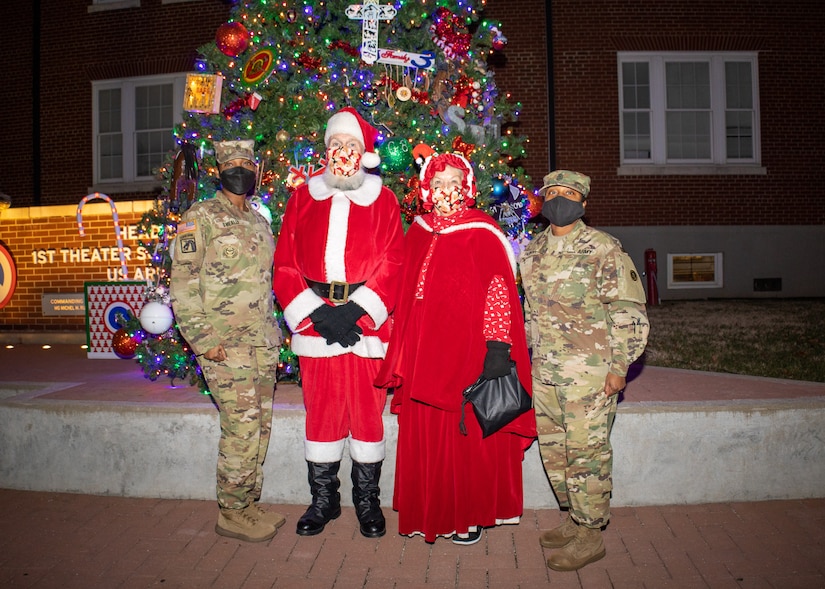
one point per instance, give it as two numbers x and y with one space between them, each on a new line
70 424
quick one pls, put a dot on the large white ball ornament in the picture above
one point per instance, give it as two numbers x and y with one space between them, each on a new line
156 318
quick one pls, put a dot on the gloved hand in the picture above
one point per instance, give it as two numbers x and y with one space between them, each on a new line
338 324
497 360
321 321
344 321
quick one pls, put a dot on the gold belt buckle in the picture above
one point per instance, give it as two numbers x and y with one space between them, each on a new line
331 293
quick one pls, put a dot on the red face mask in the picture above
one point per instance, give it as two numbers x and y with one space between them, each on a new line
343 161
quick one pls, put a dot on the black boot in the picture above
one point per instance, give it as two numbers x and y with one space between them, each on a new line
365 498
326 500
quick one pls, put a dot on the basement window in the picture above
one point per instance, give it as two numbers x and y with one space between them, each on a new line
694 270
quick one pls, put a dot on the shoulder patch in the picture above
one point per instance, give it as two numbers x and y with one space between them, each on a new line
187 227
188 243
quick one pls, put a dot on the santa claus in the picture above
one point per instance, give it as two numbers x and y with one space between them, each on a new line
336 266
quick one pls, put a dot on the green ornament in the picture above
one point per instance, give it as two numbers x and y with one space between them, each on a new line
396 155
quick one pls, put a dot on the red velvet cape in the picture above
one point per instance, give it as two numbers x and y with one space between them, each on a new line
437 361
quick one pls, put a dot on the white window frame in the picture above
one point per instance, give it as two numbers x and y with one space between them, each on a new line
130 182
718 266
718 163
102 5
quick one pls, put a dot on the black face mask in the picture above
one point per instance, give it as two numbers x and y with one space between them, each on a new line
238 180
562 211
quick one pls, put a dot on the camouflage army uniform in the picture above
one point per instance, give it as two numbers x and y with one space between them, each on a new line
585 317
222 294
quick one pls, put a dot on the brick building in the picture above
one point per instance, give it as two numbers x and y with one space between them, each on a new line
697 120
700 124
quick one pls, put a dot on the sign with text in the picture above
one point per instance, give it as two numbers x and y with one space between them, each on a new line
60 303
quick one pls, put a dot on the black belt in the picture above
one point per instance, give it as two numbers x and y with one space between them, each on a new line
337 292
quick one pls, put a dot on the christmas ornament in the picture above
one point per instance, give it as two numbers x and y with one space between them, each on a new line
403 93
291 16
123 344
202 93
258 67
184 177
309 62
156 318
534 204
424 61
509 211
395 155
368 95
282 136
233 107
369 13
449 33
259 206
462 147
499 40
118 235
345 47
499 187
254 100
232 39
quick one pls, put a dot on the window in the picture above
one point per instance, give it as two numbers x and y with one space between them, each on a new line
688 112
694 270
133 121
101 5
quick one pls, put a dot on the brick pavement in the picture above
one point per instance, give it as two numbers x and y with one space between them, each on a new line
65 541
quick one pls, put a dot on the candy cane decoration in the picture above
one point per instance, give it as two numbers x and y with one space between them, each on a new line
118 235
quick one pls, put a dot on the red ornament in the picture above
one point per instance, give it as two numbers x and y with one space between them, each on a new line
123 344
232 39
462 147
534 204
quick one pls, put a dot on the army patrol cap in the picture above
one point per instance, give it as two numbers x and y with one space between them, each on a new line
573 180
233 150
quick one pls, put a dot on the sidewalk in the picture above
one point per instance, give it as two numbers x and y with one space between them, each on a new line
61 541
58 540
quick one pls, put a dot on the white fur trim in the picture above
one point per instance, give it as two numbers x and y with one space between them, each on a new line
323 452
367 452
370 159
314 346
337 230
364 195
508 249
300 308
368 299
346 123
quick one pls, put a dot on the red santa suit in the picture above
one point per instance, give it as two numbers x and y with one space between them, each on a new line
340 236
457 292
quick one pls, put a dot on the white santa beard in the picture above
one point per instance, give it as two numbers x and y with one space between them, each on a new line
344 182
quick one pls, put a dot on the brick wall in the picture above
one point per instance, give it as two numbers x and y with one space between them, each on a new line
78 47
521 71
52 257
787 36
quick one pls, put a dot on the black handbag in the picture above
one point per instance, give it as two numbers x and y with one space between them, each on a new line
496 402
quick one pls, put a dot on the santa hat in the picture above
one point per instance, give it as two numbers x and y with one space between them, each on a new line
348 121
437 163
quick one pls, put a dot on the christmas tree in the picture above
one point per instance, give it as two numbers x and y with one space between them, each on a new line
416 70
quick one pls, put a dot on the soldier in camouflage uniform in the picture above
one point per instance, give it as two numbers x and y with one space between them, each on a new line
222 297
586 323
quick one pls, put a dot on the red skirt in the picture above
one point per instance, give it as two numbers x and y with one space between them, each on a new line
446 482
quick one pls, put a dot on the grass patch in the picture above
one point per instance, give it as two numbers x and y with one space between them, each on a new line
777 338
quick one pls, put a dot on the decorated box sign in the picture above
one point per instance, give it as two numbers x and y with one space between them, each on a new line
202 93
108 303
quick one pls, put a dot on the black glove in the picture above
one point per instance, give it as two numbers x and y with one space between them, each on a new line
321 321
497 360
338 324
344 321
